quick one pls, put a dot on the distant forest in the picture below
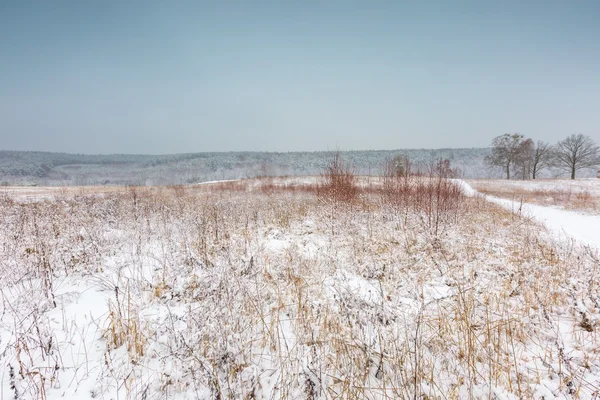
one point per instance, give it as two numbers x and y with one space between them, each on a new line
61 169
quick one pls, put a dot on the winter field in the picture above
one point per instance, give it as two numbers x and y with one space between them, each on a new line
297 288
580 195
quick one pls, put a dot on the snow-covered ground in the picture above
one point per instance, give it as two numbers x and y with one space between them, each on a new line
565 224
27 194
578 195
217 181
590 185
186 294
290 181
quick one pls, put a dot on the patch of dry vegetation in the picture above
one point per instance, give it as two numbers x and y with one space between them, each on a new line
564 194
403 289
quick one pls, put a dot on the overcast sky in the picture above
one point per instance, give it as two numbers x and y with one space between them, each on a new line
169 77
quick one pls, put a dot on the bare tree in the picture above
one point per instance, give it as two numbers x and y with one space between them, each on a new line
505 149
576 152
400 165
524 158
542 157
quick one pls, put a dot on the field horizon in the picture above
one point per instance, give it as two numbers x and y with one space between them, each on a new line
31 168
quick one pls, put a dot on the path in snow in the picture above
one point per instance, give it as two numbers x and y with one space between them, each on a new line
214 182
585 229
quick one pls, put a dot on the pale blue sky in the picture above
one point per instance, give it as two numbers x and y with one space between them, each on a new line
168 77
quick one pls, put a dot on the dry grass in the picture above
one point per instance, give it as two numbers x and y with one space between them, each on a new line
256 290
557 193
339 181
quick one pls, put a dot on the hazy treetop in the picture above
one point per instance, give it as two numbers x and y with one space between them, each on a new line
169 77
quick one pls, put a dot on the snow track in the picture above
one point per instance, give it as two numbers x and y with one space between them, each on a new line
566 225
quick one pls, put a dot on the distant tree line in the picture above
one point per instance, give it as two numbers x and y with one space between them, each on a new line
521 157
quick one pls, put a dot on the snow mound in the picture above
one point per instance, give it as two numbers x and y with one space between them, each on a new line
345 286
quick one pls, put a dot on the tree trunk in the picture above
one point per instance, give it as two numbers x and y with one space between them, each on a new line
573 172
507 171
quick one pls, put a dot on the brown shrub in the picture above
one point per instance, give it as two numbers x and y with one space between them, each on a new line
339 181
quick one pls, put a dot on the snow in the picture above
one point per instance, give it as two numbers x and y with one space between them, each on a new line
465 187
85 309
75 326
564 224
579 185
277 296
344 284
215 182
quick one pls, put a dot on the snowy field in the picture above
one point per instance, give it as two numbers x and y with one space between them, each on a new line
34 194
264 290
580 194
